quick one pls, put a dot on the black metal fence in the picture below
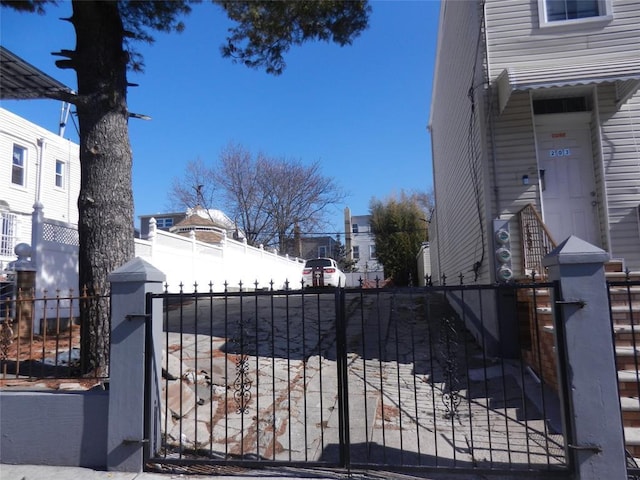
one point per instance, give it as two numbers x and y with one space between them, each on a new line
624 312
40 337
419 378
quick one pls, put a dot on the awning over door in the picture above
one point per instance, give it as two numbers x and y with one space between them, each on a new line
624 72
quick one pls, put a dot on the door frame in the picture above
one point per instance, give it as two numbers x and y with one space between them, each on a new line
564 119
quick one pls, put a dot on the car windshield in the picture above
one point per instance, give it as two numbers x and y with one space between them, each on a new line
318 262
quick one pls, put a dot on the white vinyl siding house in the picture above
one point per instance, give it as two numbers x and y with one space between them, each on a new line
560 12
459 177
360 243
60 174
621 166
492 85
18 165
50 175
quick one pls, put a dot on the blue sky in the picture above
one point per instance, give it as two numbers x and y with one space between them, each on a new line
361 110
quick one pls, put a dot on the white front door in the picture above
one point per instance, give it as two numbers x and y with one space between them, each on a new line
565 160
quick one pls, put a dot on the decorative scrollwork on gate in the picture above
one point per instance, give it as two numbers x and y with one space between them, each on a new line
448 349
242 385
243 382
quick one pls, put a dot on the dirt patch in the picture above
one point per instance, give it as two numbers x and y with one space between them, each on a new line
50 384
45 362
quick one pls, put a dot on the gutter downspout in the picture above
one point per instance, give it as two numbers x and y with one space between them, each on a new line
601 186
41 148
494 211
435 208
494 161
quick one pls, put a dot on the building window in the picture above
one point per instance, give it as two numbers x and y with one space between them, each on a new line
164 222
561 105
354 228
554 12
372 251
356 252
18 169
60 174
7 233
322 252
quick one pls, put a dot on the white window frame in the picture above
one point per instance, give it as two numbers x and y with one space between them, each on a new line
60 176
356 252
605 11
23 167
322 251
164 222
8 228
372 252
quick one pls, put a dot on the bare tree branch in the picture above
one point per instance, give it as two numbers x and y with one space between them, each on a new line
267 197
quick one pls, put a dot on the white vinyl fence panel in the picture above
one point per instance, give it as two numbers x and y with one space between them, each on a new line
188 262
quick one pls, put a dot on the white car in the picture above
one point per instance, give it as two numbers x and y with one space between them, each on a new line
323 272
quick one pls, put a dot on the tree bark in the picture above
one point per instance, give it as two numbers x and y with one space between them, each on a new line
105 203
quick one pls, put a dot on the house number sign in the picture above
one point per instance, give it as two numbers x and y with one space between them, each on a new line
560 152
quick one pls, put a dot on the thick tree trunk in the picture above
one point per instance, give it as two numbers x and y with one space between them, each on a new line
105 203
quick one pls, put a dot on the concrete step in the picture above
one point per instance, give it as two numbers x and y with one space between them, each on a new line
622 314
629 383
630 411
627 335
614 265
632 440
622 292
623 276
623 334
620 302
626 357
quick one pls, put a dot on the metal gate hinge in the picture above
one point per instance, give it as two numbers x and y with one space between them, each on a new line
131 441
580 303
593 448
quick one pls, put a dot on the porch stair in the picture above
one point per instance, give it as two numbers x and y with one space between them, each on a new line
625 312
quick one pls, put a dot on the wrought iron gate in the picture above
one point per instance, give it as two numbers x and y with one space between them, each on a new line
357 378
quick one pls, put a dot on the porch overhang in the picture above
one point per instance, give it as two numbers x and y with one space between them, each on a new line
624 72
20 80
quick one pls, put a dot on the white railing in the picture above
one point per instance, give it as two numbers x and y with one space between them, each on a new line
187 261
184 260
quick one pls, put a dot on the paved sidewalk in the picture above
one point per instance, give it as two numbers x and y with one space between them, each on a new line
41 472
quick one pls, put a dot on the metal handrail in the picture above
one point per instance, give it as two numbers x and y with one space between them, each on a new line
536 241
